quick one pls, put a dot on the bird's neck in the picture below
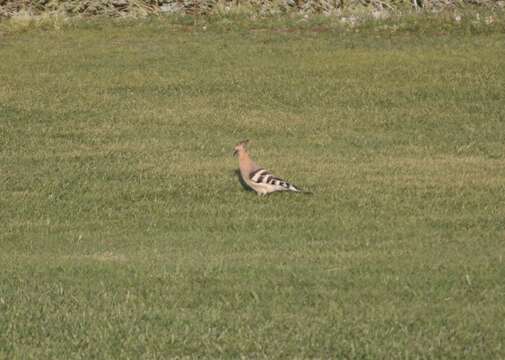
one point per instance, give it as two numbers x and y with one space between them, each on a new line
247 165
243 156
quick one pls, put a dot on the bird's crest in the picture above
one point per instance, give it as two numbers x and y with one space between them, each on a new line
243 143
240 147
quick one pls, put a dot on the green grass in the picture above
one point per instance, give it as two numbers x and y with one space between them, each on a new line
125 232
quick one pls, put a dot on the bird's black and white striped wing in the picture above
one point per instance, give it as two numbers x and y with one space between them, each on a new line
271 183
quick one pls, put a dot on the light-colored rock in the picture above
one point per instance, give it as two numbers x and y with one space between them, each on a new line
171 8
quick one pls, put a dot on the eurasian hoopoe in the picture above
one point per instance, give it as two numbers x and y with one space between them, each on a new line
260 180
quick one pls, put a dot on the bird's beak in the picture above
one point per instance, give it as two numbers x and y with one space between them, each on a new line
235 152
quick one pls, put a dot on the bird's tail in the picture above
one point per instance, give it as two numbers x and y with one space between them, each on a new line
295 188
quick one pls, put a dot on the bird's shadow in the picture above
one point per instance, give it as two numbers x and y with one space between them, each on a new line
242 182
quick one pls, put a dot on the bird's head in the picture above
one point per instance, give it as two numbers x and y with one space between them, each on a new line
240 147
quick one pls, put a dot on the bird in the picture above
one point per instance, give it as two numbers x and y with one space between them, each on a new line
257 178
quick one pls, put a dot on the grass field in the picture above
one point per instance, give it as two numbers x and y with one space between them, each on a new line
125 232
